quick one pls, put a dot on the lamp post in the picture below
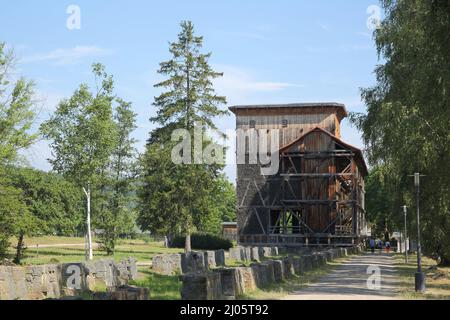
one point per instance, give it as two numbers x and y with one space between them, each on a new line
420 277
406 237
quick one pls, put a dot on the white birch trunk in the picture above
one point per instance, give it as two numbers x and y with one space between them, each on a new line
88 221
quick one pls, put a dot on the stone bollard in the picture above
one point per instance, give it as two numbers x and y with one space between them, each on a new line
201 286
220 257
210 258
215 258
288 266
298 266
270 267
247 253
278 271
307 259
322 258
167 264
246 278
255 254
127 292
270 251
330 255
336 253
315 261
230 282
241 253
236 254
260 271
193 262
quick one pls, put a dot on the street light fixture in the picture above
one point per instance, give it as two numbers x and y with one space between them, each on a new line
405 236
420 276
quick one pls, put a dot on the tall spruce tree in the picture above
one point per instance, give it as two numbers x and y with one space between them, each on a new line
173 194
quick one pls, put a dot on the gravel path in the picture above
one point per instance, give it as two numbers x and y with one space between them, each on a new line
349 281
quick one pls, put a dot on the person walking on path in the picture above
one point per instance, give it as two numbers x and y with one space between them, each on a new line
388 246
380 245
372 245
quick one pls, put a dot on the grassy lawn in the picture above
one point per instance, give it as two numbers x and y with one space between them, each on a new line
49 240
137 249
161 287
280 290
437 279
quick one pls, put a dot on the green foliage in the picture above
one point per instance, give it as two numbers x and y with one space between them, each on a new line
226 199
16 118
178 198
55 202
382 202
406 128
117 216
90 138
16 113
82 132
220 207
161 287
175 198
14 214
203 241
41 203
190 95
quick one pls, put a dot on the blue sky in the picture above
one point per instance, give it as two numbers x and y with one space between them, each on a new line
269 51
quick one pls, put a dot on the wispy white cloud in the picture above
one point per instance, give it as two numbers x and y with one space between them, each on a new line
255 32
240 85
242 80
341 48
251 35
48 100
67 56
323 26
364 34
356 47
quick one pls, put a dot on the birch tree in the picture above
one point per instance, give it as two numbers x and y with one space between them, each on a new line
82 137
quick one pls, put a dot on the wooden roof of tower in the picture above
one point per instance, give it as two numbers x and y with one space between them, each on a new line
291 108
358 153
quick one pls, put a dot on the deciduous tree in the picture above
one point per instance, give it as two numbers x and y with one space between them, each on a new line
83 136
16 119
406 126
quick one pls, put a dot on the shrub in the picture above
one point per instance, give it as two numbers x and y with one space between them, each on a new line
203 241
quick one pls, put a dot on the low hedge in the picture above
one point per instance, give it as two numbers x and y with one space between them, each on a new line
203 241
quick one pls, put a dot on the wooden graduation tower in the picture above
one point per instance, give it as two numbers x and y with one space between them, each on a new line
317 196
